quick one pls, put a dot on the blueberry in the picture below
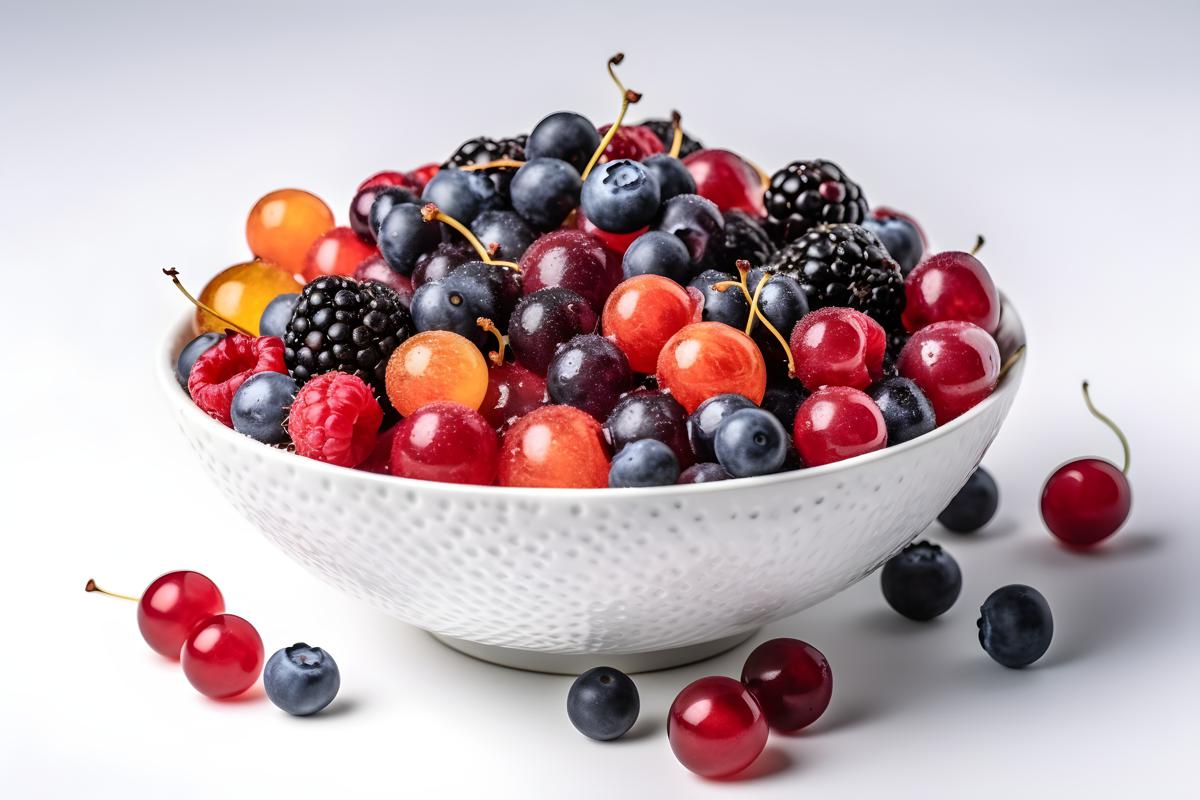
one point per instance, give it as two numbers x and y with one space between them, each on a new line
783 302
620 196
278 315
646 462
729 306
703 473
900 237
441 261
566 136
506 229
545 190
404 236
190 352
750 442
698 222
907 412
260 406
301 680
974 505
1015 625
673 177
603 703
922 581
657 253
462 195
703 423
387 199
456 303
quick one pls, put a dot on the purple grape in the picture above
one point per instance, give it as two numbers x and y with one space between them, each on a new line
650 415
590 373
445 258
542 321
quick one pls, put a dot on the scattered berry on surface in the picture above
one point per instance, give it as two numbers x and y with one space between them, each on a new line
171 607
716 727
1015 625
301 680
921 582
222 656
603 704
792 682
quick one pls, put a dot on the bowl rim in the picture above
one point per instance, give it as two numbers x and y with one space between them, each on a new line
1010 336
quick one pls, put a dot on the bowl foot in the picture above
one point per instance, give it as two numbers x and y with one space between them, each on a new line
575 663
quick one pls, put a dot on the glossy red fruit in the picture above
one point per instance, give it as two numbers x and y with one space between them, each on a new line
838 347
634 142
380 460
573 260
950 286
727 180
375 268
223 656
956 364
705 359
716 727
335 418
792 682
642 313
336 252
445 442
836 423
172 605
512 392
555 447
422 175
223 368
618 243
1087 500
386 178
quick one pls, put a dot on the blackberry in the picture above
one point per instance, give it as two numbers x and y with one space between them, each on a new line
341 324
847 265
745 238
664 129
483 149
805 194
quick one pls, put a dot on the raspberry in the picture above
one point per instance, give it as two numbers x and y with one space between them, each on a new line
225 366
335 419
631 141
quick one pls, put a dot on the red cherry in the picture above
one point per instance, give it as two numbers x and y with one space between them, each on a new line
835 423
950 286
716 728
642 313
422 175
446 442
1085 501
375 268
512 392
838 347
792 682
385 178
634 142
956 364
223 656
616 242
337 252
705 359
727 180
172 605
573 260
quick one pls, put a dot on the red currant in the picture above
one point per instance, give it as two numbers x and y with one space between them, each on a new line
445 442
716 728
706 359
950 286
421 175
634 142
172 605
386 178
1085 501
337 252
835 423
956 364
642 313
727 180
792 682
616 242
838 347
223 656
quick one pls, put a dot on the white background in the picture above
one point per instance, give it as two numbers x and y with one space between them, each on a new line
136 136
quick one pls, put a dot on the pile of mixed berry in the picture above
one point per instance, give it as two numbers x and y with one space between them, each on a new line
592 306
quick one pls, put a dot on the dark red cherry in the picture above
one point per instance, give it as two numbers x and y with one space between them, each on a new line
618 243
172 605
950 286
835 423
728 180
572 260
1087 500
792 682
716 727
445 442
838 347
513 391
956 364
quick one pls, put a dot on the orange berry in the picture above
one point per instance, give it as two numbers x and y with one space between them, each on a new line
240 294
555 446
283 225
338 251
705 359
642 313
436 365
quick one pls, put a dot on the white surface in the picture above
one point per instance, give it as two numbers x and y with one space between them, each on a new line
136 137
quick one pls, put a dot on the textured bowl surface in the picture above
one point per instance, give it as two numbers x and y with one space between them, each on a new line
598 571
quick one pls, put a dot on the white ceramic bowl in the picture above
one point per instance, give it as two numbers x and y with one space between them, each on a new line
561 579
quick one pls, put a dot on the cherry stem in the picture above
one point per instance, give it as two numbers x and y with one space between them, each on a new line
628 96
979 243
677 136
763 177
91 586
430 212
1011 361
496 358
173 274
1087 398
743 267
500 162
